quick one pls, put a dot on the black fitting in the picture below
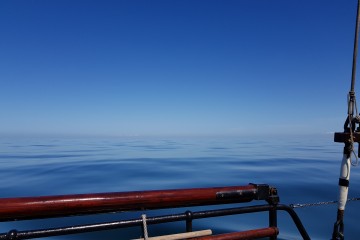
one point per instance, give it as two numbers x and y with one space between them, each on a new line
263 191
273 200
267 193
343 182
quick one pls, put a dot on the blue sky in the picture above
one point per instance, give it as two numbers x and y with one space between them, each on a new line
189 67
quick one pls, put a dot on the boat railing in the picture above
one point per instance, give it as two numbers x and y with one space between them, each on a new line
29 208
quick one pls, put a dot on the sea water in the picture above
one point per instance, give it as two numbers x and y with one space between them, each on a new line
304 169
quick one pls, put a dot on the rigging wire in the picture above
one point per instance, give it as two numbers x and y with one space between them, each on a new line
353 72
303 205
351 95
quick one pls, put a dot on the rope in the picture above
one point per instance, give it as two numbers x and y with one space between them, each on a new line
356 163
351 105
143 216
302 205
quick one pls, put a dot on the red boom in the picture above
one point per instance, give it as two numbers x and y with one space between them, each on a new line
64 205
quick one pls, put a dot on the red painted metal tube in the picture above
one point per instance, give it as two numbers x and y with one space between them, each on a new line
250 234
80 204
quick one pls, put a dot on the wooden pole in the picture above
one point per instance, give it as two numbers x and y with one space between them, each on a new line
180 236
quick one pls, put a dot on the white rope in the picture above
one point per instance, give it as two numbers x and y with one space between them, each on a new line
143 216
356 162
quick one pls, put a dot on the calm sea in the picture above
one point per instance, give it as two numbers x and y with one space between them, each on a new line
305 169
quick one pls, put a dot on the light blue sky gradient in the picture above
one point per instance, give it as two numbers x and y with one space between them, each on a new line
189 67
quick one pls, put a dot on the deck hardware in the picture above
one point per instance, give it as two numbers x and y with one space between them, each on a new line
15 209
